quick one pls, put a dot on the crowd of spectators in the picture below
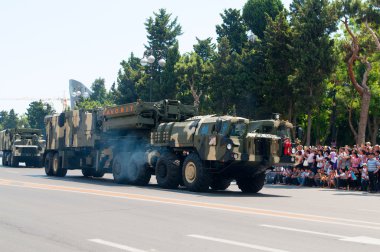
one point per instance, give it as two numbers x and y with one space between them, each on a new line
346 168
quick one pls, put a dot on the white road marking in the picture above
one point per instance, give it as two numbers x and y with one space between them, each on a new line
241 244
369 210
357 239
116 245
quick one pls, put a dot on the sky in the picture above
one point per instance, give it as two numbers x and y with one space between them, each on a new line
44 43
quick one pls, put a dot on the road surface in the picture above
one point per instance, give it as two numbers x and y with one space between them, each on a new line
40 213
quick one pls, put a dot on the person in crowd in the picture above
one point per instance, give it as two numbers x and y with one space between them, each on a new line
317 178
319 160
296 174
373 168
342 177
323 178
364 178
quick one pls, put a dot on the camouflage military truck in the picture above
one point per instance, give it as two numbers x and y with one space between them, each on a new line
114 139
282 129
22 145
211 151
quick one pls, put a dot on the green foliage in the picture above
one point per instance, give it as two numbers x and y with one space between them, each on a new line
194 78
205 48
228 79
255 12
11 119
233 28
278 54
128 79
36 113
99 92
162 43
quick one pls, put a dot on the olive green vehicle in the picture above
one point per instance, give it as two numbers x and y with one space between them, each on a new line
211 151
137 140
114 139
22 145
282 129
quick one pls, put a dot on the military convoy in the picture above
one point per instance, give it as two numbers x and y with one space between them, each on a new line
137 140
22 145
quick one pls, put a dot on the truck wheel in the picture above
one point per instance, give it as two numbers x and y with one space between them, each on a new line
98 174
195 177
168 173
57 166
251 184
119 168
220 184
4 160
138 172
14 161
48 164
87 172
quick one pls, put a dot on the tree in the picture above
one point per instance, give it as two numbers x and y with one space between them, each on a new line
313 22
128 78
12 120
36 113
228 79
233 28
358 50
162 43
255 11
194 73
3 118
99 92
205 48
276 46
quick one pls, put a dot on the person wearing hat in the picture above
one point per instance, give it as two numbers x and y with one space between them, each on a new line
373 168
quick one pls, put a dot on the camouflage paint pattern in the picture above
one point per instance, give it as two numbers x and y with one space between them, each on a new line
202 134
22 142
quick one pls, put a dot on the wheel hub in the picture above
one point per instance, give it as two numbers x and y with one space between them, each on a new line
190 172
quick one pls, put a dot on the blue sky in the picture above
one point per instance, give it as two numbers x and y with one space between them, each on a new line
45 43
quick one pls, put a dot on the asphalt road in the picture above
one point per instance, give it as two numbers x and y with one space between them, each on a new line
40 213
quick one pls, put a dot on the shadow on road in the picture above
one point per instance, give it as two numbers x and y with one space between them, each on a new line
19 167
360 194
108 182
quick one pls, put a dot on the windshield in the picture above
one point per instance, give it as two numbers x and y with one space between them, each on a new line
238 129
283 132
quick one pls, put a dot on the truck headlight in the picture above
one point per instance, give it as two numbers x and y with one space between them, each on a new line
229 146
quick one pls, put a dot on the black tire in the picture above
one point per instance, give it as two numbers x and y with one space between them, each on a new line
119 168
220 184
14 161
98 174
195 177
48 164
138 172
57 166
251 184
168 171
4 160
37 163
87 172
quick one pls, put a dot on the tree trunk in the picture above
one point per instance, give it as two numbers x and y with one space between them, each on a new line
364 108
308 134
350 124
308 128
363 89
375 130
